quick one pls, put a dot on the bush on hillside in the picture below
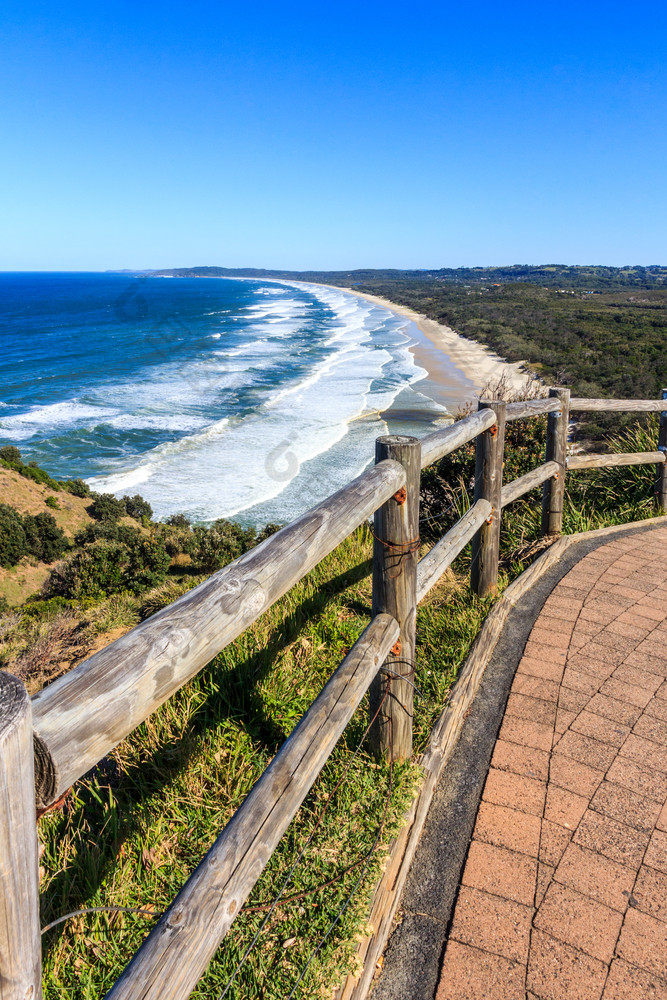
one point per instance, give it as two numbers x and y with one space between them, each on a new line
223 542
178 521
10 453
37 535
110 567
13 544
110 531
137 507
218 545
32 471
105 507
77 487
44 539
52 503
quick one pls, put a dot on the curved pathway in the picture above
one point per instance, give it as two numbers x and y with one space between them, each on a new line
564 891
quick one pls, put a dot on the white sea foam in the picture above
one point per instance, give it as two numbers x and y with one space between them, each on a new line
234 465
69 413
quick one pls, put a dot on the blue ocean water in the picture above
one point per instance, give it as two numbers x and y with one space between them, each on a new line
209 396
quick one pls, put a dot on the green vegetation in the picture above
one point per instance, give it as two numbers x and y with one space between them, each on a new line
29 535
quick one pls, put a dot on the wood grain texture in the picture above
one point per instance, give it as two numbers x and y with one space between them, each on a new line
661 467
395 557
176 953
531 408
435 446
512 491
89 710
439 559
553 494
607 461
618 405
488 486
20 941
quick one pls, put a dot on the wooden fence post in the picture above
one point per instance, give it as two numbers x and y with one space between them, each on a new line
556 451
395 558
488 486
661 470
20 941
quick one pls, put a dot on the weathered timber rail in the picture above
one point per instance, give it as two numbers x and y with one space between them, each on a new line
78 719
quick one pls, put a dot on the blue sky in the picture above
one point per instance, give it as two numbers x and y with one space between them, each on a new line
350 135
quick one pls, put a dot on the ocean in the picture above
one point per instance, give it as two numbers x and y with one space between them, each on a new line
216 398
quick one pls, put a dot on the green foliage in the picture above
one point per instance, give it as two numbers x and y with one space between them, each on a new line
45 540
218 545
105 507
52 503
34 534
137 507
13 543
77 487
178 521
131 563
110 531
41 476
9 453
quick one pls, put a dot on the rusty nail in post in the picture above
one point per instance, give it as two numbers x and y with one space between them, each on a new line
396 648
493 430
400 495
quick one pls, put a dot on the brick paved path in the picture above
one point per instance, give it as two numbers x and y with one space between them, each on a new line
564 892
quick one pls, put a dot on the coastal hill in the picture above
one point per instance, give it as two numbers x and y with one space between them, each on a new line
593 277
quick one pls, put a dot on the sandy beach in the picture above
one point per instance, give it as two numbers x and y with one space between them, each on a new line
479 365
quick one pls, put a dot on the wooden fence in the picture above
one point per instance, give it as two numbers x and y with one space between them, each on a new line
53 739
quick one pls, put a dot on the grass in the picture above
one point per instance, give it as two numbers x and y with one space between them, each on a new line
133 831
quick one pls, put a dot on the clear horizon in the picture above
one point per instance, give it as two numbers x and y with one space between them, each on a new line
296 140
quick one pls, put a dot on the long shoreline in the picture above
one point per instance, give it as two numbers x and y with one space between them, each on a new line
477 363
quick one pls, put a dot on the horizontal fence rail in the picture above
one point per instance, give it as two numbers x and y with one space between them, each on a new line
435 446
79 718
607 461
531 408
442 555
177 951
512 491
619 405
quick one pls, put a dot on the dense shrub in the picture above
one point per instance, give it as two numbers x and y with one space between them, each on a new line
10 453
76 487
137 507
178 521
110 531
52 503
218 545
224 541
105 507
44 539
13 543
34 534
109 567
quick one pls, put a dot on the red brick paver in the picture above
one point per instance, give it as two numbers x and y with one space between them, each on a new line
564 892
